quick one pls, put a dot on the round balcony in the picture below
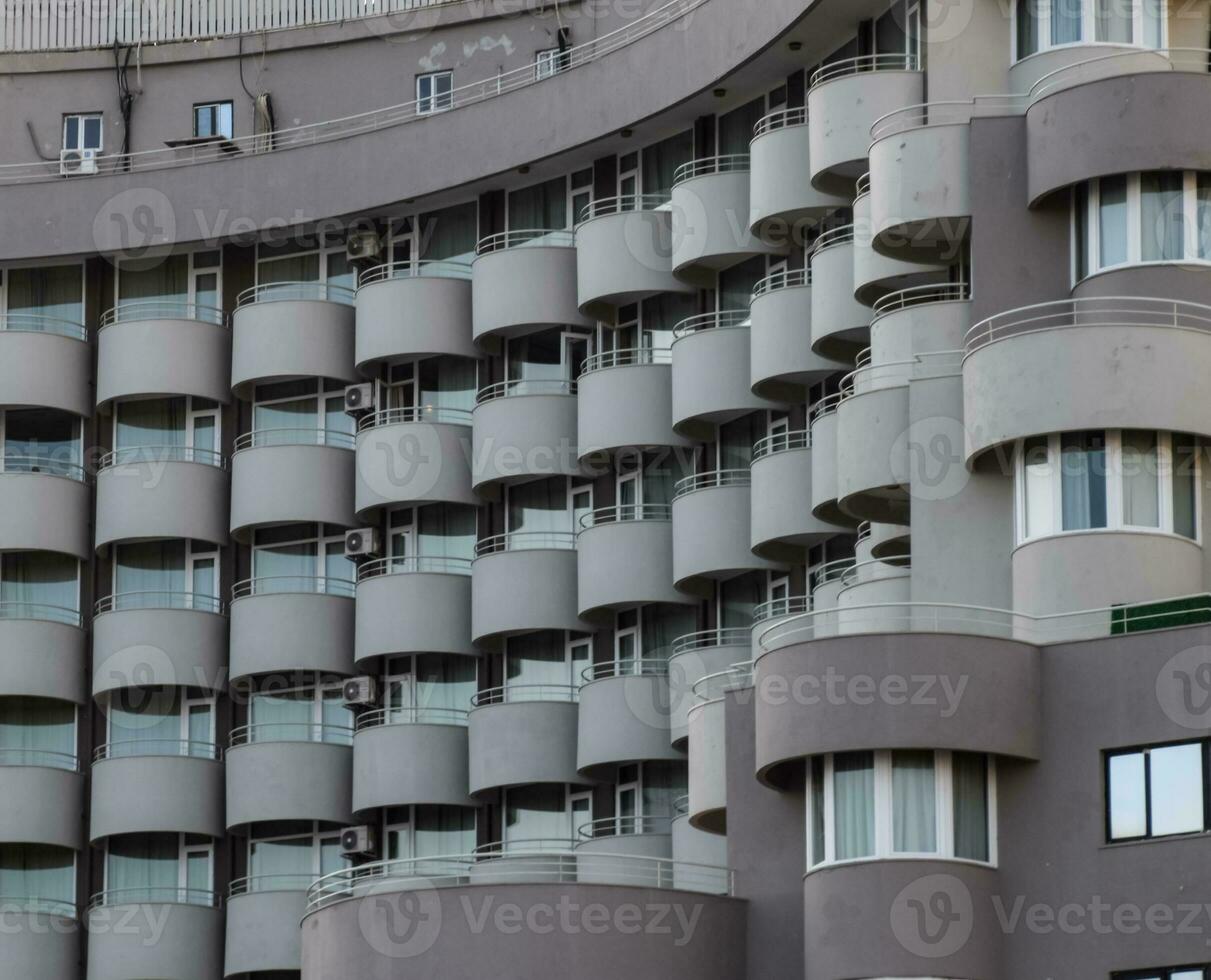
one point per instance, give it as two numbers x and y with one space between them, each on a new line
285 330
283 624
624 716
782 363
626 401
289 771
884 540
412 605
287 476
32 487
524 281
162 492
825 583
162 347
1063 66
781 527
147 786
43 798
172 933
840 325
872 449
412 309
1122 362
692 846
413 456
711 537
920 320
44 939
262 935
523 733
869 584
624 253
648 839
876 274
53 658
522 582
624 558
524 430
386 746
707 748
844 100
693 657
824 479
712 382
169 639
712 218
783 199
45 362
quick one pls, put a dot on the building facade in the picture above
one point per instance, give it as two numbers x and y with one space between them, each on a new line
594 489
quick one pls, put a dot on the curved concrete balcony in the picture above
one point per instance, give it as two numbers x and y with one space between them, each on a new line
624 253
824 484
43 798
711 538
707 750
162 492
920 320
1054 69
349 926
412 309
262 934
695 656
780 526
170 933
281 624
840 325
413 456
869 586
624 557
876 274
843 101
692 845
44 941
523 733
286 771
872 449
170 639
825 583
288 476
546 860
146 786
1159 94
626 401
712 382
522 282
386 746
892 945
1122 363
162 347
782 362
522 582
884 540
712 218
412 605
53 658
624 716
523 430
782 197
1094 569
45 362
920 194
650 839
33 488
288 330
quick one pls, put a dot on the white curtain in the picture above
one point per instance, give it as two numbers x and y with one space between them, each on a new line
444 830
970 776
1083 480
40 578
661 625
663 782
1141 479
152 568
37 871
1112 220
52 291
146 863
153 423
914 807
1066 21
536 812
1162 219
1114 21
445 681
446 531
145 721
38 731
854 804
537 658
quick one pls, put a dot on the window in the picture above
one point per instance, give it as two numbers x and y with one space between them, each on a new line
37 732
434 92
548 510
307 713
545 363
550 61
181 429
165 575
550 659
540 207
40 585
434 531
1158 791
544 813
186 286
159 721
1043 24
32 296
289 855
431 386
428 687
40 877
82 132
211 119
427 831
901 802
307 412
292 264
301 558
159 867
1126 479
41 440
1167 973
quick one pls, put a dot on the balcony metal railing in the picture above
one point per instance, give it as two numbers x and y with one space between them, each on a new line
729 636
18 322
782 119
733 163
527 845
862 185
137 747
637 667
155 895
44 612
716 686
783 280
525 238
32 905
623 204
777 608
712 481
625 513
863 63
159 599
626 357
681 806
867 377
277 292
526 541
624 826
255 884
875 570
841 235
413 714
262 438
435 414
52 463
722 320
263 585
131 455
525 693
781 442
904 299
38 758
413 564
265 732
131 310
525 386
830 571
408 269
825 406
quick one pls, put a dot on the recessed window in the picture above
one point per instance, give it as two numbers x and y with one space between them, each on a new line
1043 24
82 131
898 803
1167 973
1158 791
549 62
434 92
1125 479
212 119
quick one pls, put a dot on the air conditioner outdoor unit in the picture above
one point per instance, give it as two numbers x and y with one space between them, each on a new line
74 162
359 842
363 246
359 692
359 399
362 543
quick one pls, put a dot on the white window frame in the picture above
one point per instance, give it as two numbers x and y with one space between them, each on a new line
322 395
633 174
192 417
325 252
315 690
575 190
78 438
317 835
549 62
183 851
217 105
429 97
313 535
571 796
1088 28
80 118
36 264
